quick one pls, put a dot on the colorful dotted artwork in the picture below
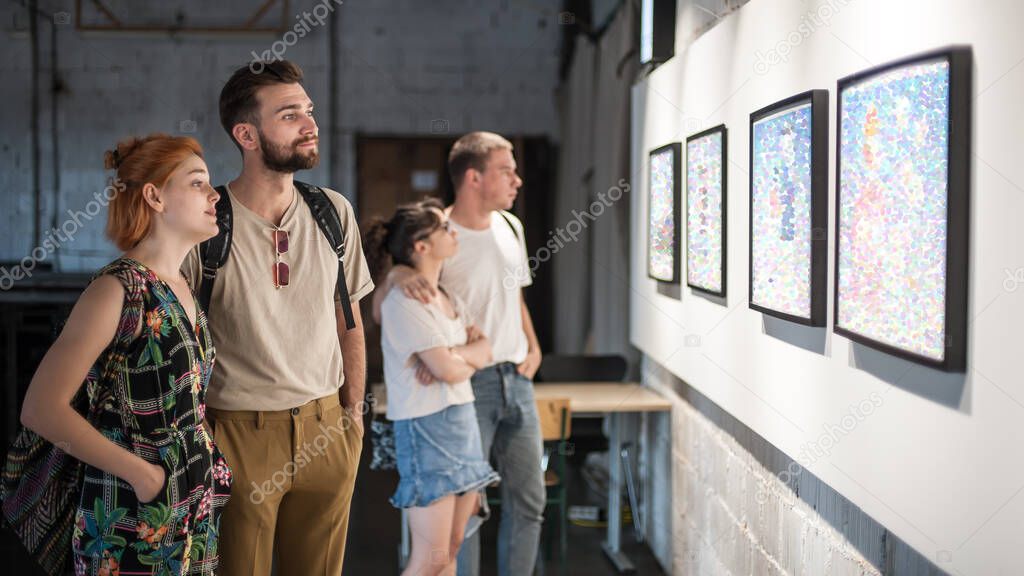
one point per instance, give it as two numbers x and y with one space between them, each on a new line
781 211
662 224
893 199
705 183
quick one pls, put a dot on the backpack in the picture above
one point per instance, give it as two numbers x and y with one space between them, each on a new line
213 253
40 485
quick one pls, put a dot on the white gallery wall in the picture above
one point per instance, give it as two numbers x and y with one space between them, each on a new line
936 458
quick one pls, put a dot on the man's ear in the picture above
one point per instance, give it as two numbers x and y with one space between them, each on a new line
246 135
471 179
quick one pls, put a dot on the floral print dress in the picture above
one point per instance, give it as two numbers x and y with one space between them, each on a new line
153 405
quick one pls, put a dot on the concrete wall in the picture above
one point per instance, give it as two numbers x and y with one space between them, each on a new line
403 68
928 457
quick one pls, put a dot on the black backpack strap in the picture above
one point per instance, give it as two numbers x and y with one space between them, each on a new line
327 218
213 253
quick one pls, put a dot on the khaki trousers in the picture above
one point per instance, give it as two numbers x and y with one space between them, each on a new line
293 474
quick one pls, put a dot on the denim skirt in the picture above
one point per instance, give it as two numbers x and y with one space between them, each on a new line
440 454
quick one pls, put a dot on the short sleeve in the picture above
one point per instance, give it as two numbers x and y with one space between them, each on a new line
408 326
357 272
525 277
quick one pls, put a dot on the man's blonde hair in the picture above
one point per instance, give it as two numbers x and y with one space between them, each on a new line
471 151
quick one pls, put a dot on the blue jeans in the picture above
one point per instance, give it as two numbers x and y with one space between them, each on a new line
510 434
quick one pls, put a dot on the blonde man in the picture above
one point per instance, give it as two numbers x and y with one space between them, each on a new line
487 274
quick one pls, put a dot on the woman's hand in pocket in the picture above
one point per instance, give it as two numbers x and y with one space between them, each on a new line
151 481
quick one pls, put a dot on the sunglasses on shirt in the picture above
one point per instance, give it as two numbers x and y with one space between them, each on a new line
281 271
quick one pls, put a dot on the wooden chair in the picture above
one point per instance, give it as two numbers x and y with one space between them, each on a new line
563 368
555 423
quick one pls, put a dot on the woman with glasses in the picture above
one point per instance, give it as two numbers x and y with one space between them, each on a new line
437 440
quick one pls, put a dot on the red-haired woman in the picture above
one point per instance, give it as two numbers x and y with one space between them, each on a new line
154 483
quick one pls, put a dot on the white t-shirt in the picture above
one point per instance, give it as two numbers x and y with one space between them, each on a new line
409 326
487 273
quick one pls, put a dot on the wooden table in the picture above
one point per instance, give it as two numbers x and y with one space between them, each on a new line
604 397
610 400
585 398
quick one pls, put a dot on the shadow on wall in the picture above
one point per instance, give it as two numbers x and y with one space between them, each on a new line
714 299
946 388
670 290
810 338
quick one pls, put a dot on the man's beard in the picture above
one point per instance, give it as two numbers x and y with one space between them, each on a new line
287 159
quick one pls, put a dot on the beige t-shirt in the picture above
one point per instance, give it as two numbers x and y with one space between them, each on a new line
278 348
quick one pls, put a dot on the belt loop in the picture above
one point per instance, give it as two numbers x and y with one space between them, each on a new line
319 409
259 420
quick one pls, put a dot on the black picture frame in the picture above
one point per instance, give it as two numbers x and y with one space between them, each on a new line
676 149
725 220
957 206
818 99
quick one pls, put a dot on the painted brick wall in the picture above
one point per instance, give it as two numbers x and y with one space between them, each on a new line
720 502
404 68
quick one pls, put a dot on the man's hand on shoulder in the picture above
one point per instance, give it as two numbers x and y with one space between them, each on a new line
412 283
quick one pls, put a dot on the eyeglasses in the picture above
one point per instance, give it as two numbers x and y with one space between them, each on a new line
446 226
281 271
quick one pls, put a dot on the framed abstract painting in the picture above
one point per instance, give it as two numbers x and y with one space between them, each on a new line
789 208
663 206
902 201
706 210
